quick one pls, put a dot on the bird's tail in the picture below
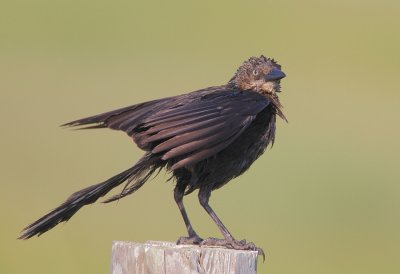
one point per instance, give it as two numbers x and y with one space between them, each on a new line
135 176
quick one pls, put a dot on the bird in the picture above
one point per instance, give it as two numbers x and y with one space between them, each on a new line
203 139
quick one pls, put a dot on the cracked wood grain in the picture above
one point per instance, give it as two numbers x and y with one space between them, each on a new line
168 258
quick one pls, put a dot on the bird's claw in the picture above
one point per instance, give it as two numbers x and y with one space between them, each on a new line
233 244
191 240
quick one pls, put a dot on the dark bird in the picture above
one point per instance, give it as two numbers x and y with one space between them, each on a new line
203 138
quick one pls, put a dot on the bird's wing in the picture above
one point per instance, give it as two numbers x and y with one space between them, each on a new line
187 128
128 118
193 131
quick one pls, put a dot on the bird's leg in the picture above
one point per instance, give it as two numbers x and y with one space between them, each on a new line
204 196
229 241
193 237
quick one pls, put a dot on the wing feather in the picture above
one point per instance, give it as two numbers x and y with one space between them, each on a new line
197 144
171 132
182 121
188 137
183 112
205 153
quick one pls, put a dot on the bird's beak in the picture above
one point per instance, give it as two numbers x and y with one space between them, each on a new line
275 74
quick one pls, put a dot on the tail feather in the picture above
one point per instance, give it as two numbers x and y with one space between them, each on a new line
130 188
136 177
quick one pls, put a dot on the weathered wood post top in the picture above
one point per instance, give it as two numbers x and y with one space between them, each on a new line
168 258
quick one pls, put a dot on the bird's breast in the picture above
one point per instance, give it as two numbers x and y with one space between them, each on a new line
241 154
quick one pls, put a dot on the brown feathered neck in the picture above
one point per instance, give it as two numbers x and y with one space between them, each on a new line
274 98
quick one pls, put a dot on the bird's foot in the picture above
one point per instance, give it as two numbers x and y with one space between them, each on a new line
233 244
191 240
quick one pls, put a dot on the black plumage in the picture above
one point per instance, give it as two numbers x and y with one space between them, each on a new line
204 138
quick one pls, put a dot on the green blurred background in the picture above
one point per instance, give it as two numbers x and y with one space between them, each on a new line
325 199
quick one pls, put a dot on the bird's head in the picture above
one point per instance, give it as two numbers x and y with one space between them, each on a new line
259 74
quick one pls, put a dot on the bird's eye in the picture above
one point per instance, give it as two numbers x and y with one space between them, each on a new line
255 72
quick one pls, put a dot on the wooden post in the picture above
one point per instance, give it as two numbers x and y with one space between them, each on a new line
168 258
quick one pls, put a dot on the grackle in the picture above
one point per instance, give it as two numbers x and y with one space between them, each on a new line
203 138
